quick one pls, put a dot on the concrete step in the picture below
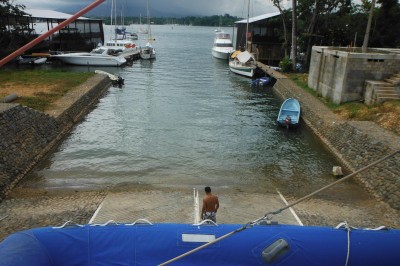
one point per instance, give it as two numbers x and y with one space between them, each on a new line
386 88
393 81
379 97
388 96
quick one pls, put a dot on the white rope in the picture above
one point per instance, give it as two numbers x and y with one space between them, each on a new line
69 222
268 216
141 221
106 223
207 222
348 242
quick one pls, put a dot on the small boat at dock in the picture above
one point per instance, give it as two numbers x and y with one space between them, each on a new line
263 81
243 63
101 56
148 52
289 113
33 60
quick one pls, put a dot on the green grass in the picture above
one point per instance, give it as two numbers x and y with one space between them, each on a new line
351 110
301 80
60 82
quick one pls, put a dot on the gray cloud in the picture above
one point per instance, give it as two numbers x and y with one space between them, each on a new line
159 7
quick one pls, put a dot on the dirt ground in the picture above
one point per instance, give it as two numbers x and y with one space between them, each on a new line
25 91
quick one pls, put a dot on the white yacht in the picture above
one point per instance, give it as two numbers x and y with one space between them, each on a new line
98 57
120 46
223 46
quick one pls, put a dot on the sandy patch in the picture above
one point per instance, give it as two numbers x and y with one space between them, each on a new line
23 90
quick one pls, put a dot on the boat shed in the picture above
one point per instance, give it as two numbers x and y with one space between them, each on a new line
263 38
83 34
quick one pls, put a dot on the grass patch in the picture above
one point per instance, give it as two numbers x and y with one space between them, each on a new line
38 89
385 115
301 80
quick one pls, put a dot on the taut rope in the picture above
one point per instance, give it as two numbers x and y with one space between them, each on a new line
269 215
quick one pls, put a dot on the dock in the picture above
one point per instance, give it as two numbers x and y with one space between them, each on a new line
270 71
177 206
132 56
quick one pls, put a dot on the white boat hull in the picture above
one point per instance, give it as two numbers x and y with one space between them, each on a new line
220 54
148 53
244 70
88 59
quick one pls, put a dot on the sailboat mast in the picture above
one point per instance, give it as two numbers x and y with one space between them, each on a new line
247 24
148 21
115 20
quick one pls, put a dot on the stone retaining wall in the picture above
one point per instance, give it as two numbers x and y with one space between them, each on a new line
27 135
356 144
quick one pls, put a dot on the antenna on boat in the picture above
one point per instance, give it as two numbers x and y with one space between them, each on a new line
268 216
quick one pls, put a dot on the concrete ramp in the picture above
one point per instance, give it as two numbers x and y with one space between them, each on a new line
159 206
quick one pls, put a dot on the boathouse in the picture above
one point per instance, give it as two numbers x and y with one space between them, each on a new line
263 37
81 35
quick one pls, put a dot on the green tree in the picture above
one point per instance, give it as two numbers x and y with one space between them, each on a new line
323 22
278 4
385 32
13 27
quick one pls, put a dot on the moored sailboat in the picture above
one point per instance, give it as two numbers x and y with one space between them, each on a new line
243 63
148 51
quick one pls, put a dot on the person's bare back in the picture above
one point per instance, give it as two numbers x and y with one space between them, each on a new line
210 205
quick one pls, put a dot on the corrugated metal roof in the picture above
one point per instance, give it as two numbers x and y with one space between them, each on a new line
50 14
258 18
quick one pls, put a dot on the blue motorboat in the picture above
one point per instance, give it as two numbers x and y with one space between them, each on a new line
289 114
263 81
154 244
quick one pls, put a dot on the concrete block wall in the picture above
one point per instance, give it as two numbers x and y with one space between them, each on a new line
339 75
27 135
355 144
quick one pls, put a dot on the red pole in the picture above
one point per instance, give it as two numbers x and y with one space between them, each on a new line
29 45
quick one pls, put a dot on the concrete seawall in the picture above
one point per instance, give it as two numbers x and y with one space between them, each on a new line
355 143
26 135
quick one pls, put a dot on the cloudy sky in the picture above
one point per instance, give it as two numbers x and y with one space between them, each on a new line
175 8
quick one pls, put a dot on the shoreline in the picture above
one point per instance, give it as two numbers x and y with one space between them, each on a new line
25 208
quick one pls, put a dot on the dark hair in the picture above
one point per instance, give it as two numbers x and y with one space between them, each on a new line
207 189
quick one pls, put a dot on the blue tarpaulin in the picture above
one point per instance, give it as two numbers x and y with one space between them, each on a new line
154 244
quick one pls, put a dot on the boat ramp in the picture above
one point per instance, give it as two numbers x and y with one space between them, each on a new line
163 205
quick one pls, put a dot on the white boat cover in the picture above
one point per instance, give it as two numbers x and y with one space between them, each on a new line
244 57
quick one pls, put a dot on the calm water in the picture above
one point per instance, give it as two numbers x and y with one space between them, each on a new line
185 120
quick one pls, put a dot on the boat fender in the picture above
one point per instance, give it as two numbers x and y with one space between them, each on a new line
276 250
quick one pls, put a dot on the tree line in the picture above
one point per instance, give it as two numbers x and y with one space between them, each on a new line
338 23
215 20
